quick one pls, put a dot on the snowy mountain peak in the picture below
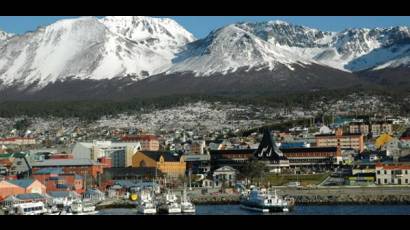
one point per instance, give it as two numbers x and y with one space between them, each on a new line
142 28
229 48
163 35
4 36
82 48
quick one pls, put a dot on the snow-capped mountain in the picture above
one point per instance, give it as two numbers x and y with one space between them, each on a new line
4 36
229 48
163 35
349 50
265 43
86 48
147 55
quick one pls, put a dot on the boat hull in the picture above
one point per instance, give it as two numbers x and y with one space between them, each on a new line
188 210
147 211
265 208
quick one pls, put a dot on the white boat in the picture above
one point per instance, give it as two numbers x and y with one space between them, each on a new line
186 204
82 208
88 208
76 207
170 204
265 201
53 210
173 208
146 204
32 208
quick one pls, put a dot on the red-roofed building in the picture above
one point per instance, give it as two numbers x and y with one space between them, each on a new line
148 142
56 180
17 141
398 174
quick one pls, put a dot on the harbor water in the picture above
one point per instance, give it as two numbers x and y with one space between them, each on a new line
298 210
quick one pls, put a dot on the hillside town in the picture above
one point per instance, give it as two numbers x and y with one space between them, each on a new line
108 161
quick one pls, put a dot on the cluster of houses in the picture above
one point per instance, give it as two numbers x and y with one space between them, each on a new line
361 152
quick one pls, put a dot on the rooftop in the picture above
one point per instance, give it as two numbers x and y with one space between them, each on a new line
168 156
24 183
233 151
333 135
30 196
49 171
65 162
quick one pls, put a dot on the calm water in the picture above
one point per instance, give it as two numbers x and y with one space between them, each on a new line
299 210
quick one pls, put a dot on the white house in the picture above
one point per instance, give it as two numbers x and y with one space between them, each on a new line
225 175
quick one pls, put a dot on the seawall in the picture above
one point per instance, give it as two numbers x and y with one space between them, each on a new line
323 195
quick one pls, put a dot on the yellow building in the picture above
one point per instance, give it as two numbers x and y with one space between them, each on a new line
169 163
382 140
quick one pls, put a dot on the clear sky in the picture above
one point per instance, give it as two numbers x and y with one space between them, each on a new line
200 26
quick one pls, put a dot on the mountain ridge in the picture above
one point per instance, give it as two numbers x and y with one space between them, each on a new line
132 52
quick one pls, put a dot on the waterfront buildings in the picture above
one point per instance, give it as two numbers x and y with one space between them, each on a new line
197 163
314 157
234 158
224 177
16 187
393 173
55 179
342 140
169 163
82 167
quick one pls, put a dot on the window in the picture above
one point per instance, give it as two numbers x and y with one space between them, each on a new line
407 181
385 181
378 172
385 172
378 181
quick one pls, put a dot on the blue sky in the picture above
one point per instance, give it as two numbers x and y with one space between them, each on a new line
200 26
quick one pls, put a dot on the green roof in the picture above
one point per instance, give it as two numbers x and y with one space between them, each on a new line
6 155
14 155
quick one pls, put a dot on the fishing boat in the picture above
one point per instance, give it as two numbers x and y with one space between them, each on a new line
146 204
79 207
53 210
170 204
186 204
260 200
